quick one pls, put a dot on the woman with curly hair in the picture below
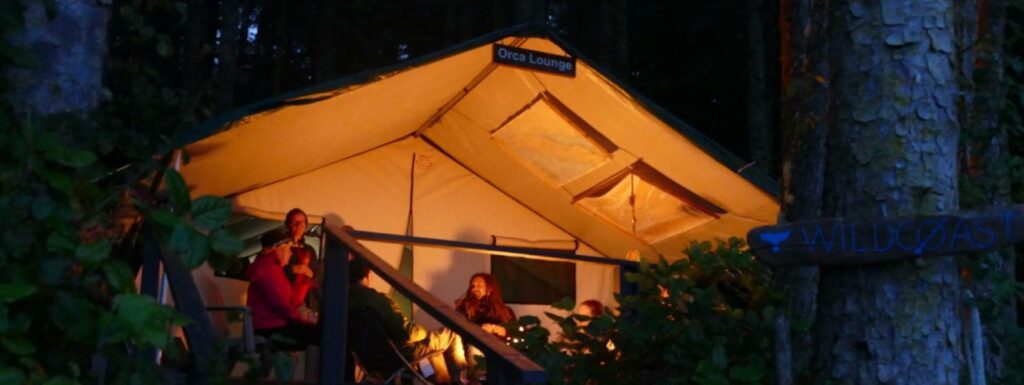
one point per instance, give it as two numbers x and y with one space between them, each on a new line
482 304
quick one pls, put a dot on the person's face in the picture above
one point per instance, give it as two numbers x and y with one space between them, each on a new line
478 288
284 252
585 310
297 226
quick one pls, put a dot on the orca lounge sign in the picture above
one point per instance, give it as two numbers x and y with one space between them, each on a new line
541 61
859 242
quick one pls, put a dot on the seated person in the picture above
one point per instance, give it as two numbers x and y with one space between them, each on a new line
414 342
300 274
270 295
482 304
591 308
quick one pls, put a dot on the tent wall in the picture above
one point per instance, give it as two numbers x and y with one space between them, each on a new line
371 192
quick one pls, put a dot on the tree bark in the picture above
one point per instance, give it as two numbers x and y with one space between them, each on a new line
227 65
498 14
891 151
530 11
805 103
761 139
613 17
326 41
279 51
195 56
69 50
985 179
451 22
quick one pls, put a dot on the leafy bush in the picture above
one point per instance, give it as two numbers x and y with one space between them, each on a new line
68 303
702 320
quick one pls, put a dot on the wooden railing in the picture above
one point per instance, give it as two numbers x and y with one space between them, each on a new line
625 287
505 365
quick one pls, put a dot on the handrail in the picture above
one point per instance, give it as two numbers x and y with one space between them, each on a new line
514 363
487 249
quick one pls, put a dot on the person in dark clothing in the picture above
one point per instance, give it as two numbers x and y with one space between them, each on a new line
295 224
301 275
270 296
482 304
415 342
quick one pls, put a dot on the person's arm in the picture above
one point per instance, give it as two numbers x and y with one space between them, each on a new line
395 323
300 288
277 292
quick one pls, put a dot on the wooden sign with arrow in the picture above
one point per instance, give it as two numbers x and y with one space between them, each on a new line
838 242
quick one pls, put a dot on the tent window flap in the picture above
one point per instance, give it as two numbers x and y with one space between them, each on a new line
648 205
553 142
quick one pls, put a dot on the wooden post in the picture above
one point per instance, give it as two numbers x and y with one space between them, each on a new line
499 373
974 345
626 287
150 282
199 333
334 312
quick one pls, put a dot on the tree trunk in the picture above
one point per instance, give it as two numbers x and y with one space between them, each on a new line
761 140
194 57
498 14
891 151
280 48
804 112
469 14
69 50
985 180
530 11
227 65
326 41
451 23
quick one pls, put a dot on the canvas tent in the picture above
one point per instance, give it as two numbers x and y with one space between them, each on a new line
495 150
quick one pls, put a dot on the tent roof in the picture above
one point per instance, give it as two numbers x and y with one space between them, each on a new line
588 141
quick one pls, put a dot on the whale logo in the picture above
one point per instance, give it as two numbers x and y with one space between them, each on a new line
775 239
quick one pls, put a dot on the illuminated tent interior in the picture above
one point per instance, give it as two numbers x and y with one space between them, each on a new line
494 151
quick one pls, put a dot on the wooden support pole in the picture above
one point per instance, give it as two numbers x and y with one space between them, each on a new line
625 286
334 313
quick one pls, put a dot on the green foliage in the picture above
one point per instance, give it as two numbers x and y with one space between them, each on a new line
72 190
702 320
984 182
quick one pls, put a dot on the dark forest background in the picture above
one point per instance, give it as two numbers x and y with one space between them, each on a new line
72 208
694 58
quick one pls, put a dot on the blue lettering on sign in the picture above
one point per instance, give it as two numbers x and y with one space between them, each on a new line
888 233
922 244
853 240
929 235
961 232
987 231
899 240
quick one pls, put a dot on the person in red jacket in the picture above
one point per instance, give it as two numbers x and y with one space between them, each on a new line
270 295
300 275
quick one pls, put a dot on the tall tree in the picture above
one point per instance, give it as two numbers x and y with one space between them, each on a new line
195 55
759 116
69 48
227 63
614 36
530 11
804 118
891 151
326 41
986 173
